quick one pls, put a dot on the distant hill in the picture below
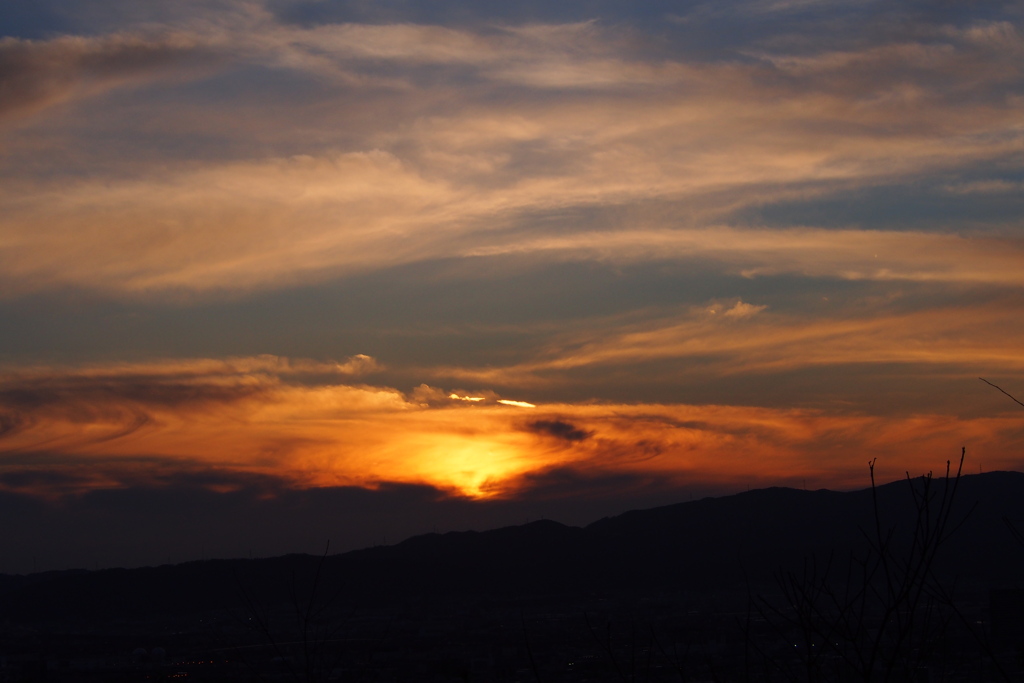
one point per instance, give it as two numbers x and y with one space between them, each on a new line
700 545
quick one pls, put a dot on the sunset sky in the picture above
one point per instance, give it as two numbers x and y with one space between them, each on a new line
274 272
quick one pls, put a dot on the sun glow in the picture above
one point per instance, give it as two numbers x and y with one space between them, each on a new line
98 430
475 466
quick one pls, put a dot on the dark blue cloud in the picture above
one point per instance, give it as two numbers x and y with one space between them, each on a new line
693 29
559 429
940 203
461 12
32 19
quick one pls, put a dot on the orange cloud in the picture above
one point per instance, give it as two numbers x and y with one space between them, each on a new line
111 425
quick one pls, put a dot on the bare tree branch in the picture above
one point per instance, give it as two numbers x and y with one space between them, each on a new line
1012 397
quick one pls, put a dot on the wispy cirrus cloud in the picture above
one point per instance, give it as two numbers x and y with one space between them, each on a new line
362 212
741 339
447 165
819 253
36 74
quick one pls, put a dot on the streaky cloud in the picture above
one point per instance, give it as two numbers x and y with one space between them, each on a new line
446 163
36 74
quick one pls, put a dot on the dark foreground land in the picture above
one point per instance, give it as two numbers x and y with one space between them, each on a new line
907 582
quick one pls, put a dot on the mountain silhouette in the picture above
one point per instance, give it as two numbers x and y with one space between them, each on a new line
733 541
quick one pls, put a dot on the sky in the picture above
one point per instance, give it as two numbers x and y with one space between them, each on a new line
278 273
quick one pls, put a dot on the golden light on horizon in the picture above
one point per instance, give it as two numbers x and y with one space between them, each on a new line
475 466
233 419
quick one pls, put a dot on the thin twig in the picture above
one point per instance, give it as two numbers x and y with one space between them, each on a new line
1012 397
